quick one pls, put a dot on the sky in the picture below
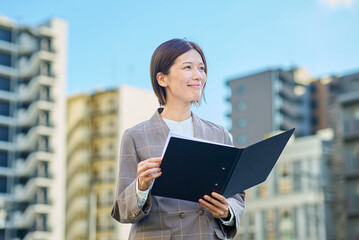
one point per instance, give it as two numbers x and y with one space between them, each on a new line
110 43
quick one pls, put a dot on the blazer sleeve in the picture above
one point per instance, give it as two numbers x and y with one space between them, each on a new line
125 208
236 203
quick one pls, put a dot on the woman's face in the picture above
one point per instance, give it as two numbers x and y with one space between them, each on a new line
186 78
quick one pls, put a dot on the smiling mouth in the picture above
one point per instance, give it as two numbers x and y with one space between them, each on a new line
195 85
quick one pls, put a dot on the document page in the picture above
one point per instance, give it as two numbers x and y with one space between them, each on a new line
176 135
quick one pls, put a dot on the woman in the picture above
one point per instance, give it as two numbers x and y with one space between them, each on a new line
178 75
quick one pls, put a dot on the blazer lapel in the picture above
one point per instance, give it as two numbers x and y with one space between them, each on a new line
198 131
158 126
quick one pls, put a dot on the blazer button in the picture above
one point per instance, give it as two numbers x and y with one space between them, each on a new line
182 215
200 212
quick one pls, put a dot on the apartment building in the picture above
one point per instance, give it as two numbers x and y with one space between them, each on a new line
293 202
268 101
32 129
95 126
349 115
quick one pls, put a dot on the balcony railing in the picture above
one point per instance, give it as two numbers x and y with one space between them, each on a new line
351 128
26 219
351 163
27 142
79 230
27 166
353 204
25 193
29 91
28 116
78 205
29 67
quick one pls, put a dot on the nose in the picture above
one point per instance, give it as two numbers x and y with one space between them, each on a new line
197 74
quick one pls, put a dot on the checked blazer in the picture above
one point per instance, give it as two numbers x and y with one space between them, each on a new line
160 217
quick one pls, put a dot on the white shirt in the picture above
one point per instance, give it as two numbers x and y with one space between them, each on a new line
184 128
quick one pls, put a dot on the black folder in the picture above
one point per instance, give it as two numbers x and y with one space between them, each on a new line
192 168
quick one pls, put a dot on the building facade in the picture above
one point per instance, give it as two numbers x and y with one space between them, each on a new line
267 101
95 126
349 112
32 123
292 203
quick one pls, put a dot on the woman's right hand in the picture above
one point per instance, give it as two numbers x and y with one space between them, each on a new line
147 171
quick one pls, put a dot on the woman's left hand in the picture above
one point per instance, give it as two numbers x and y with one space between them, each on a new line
217 205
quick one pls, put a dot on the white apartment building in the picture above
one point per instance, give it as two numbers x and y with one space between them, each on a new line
292 203
32 129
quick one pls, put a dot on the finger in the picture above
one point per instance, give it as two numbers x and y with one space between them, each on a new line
154 160
144 167
220 197
221 206
216 212
210 207
152 177
150 172
213 201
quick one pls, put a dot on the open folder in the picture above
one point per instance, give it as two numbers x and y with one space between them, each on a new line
193 167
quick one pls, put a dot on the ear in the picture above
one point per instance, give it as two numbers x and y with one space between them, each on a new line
161 79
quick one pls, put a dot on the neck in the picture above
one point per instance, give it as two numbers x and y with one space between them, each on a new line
176 112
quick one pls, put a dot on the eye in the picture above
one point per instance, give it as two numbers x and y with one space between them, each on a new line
187 67
201 68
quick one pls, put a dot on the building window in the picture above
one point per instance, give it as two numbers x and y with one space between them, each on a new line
242 139
3 184
241 106
314 120
286 226
4 108
3 159
5 35
4 133
4 84
242 122
241 90
5 59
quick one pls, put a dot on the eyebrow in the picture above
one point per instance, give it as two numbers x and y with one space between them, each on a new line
191 63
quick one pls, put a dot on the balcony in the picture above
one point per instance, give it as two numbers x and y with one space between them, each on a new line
351 129
47 31
27 43
8 46
28 142
6 171
78 159
8 96
25 193
28 92
29 67
7 146
353 206
79 135
79 230
80 181
287 92
290 109
27 117
78 205
26 219
26 167
37 235
288 124
7 71
9 121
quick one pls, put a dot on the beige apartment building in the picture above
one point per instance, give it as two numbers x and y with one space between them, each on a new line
95 126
